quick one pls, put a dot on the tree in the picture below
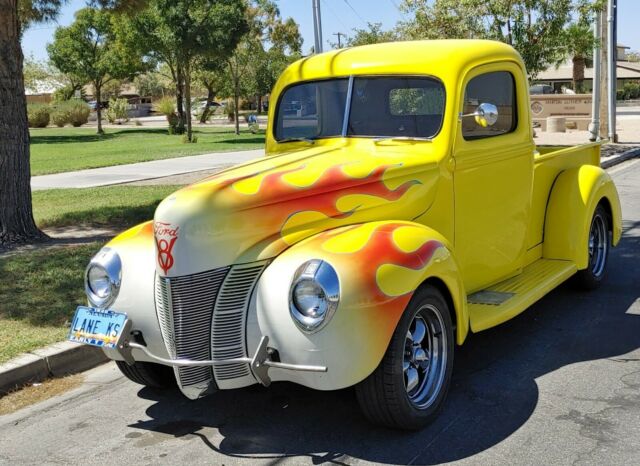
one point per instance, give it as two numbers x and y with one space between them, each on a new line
16 215
210 74
182 32
579 42
89 49
372 35
265 25
533 27
153 84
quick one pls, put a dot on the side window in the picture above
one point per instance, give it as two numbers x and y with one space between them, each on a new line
497 88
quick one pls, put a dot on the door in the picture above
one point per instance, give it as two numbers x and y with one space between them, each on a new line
493 176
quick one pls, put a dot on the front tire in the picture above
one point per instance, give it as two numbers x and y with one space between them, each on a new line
599 245
408 388
148 374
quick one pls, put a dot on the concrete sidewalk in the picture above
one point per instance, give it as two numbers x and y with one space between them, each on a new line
142 171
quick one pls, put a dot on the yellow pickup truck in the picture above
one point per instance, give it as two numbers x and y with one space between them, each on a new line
402 204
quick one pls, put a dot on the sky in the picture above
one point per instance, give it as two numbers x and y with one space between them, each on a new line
337 16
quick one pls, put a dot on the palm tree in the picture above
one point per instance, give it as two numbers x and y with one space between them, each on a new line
579 42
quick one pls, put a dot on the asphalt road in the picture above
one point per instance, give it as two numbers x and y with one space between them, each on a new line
560 384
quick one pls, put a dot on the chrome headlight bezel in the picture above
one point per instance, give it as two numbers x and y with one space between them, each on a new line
106 261
324 276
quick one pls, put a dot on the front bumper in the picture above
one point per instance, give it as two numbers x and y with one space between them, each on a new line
260 362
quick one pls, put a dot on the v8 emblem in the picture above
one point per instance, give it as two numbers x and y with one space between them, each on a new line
166 237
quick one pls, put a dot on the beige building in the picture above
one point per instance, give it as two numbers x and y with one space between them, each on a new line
562 76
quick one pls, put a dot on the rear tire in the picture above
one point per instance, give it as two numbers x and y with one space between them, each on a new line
408 388
598 245
148 374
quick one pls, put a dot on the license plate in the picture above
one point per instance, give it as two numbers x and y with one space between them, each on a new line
95 327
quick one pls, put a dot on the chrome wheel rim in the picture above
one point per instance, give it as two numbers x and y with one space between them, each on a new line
598 245
425 357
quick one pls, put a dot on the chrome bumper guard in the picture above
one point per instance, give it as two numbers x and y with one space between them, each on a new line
260 363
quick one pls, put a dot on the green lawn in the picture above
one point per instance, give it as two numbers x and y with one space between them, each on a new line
111 206
39 291
55 150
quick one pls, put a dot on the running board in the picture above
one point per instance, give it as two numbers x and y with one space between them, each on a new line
505 300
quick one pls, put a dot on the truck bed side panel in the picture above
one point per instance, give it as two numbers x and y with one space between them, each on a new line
549 162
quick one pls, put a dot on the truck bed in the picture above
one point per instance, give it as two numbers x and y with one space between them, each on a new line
549 162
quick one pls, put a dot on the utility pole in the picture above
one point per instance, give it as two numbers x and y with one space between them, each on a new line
612 50
339 34
594 127
317 26
604 75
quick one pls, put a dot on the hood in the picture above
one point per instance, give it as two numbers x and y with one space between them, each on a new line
255 211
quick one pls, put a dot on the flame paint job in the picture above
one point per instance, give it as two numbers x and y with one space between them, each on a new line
379 264
257 211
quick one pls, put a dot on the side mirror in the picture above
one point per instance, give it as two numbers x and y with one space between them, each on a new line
485 115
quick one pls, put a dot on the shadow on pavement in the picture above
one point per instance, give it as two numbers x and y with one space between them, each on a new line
494 390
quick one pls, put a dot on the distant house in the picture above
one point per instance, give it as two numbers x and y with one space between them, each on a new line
127 91
41 94
562 76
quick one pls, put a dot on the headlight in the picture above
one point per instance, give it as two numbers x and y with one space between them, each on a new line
102 278
314 295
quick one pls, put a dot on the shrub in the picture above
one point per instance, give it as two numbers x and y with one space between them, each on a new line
630 90
118 111
60 115
231 109
38 115
79 112
167 107
185 139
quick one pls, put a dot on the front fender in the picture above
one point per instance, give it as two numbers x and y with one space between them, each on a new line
379 265
136 297
573 200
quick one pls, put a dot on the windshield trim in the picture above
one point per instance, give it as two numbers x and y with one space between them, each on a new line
347 113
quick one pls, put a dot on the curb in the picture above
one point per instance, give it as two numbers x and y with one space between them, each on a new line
616 159
56 360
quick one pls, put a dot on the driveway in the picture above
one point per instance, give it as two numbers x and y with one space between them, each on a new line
560 384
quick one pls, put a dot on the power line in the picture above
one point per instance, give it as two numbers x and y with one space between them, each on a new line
356 13
336 16
397 7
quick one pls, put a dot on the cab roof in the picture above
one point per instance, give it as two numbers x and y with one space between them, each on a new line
441 58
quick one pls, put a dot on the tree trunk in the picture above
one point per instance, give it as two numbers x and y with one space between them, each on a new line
16 215
187 98
236 102
98 88
259 104
180 99
578 74
211 94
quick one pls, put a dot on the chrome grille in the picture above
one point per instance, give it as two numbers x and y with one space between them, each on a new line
203 316
185 309
228 331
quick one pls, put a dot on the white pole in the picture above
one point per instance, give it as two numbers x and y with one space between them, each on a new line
611 51
594 128
317 26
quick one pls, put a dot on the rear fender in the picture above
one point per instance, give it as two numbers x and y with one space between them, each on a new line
574 198
379 265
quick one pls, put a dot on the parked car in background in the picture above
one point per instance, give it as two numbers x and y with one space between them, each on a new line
401 206
538 89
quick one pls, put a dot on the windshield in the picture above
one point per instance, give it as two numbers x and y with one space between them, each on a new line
390 106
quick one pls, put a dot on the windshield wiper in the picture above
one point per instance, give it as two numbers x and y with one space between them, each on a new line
401 139
308 140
